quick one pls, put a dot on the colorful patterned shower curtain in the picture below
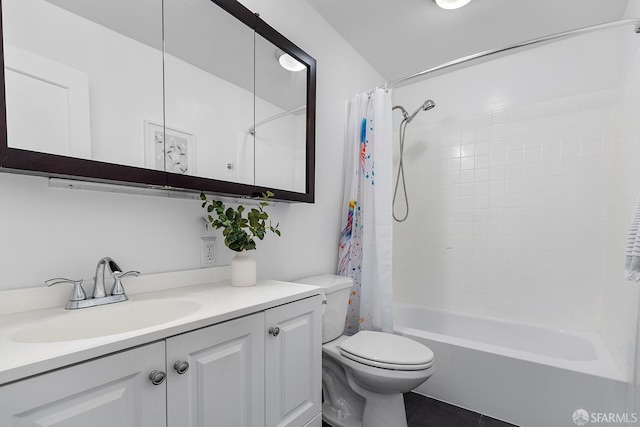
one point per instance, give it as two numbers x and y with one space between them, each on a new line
366 229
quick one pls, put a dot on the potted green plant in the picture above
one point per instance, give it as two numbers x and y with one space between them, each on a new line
240 232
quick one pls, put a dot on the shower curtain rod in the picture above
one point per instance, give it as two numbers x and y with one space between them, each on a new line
252 129
566 34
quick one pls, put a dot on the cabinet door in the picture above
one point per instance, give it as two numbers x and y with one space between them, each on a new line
293 363
111 391
224 385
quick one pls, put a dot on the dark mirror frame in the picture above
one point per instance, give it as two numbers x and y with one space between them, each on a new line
34 163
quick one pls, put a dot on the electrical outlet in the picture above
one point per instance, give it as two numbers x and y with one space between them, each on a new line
207 251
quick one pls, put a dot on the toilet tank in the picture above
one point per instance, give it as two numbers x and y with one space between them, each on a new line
336 290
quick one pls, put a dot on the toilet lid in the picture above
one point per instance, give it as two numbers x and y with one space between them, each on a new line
387 351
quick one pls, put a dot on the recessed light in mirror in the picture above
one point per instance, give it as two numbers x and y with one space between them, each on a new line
451 4
288 62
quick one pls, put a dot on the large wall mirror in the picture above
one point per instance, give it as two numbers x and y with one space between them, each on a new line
186 94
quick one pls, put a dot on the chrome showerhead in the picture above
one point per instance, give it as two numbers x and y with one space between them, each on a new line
428 105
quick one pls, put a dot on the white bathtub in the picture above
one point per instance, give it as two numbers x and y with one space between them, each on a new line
521 373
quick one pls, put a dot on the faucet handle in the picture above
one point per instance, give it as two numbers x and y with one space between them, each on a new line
77 293
117 288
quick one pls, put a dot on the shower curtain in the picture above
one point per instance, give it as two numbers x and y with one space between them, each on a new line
366 228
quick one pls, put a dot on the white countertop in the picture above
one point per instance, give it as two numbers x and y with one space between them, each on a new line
220 302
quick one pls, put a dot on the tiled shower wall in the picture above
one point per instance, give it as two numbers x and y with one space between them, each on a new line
520 200
509 212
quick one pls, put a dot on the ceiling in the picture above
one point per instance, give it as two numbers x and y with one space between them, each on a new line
402 37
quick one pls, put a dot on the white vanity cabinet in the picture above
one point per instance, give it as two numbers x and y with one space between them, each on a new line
256 371
293 364
224 383
110 391
259 370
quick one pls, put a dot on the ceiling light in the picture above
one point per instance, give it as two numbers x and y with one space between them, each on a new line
288 62
451 4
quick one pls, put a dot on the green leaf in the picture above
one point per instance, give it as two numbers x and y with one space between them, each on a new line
239 231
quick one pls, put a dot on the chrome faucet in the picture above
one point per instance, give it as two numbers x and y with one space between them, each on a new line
99 295
107 265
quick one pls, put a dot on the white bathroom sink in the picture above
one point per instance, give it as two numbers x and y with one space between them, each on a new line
106 320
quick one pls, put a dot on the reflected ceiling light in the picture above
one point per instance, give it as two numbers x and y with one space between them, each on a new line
451 4
288 62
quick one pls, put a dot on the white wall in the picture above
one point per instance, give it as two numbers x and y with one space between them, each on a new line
510 180
51 232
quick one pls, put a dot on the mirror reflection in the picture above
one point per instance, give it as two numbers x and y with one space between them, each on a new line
84 79
209 88
280 128
82 76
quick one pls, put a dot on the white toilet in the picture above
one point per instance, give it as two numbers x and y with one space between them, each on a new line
364 375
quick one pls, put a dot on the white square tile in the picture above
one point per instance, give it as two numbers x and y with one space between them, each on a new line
467 150
532 155
572 119
514 172
499 117
467 163
592 147
534 124
498 159
515 157
483 161
498 131
498 145
552 122
483 147
571 150
497 173
481 175
551 152
467 176
551 138
483 134
571 134
454 152
533 140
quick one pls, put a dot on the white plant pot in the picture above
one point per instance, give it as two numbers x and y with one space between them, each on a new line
243 269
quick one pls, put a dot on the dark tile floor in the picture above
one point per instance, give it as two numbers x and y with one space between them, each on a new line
425 412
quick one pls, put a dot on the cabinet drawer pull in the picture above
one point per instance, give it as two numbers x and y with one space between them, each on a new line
181 367
157 377
275 331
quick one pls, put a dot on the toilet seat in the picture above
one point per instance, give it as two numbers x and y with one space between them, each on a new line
387 351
